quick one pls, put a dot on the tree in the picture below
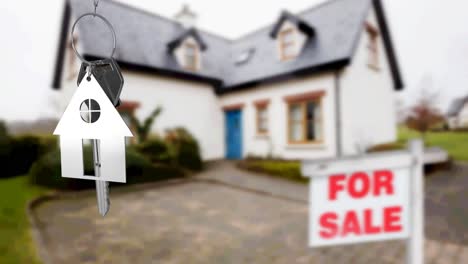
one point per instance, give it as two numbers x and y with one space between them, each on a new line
425 114
3 131
143 128
401 111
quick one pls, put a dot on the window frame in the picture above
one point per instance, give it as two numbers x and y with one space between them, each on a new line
303 100
373 60
87 114
188 66
283 44
262 105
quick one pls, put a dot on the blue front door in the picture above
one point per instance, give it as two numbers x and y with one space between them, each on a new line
234 134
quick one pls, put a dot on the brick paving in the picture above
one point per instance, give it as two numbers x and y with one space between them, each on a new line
230 216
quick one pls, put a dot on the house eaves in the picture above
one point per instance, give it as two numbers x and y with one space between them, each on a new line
144 38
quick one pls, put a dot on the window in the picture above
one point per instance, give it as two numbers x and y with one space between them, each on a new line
305 121
372 46
90 111
262 119
191 56
245 56
287 44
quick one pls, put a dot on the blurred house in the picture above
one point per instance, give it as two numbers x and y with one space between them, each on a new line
457 115
311 85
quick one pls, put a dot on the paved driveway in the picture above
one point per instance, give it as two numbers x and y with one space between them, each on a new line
230 216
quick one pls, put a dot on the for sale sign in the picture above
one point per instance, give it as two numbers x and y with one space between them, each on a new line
359 200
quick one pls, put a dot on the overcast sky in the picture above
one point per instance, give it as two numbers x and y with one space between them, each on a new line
431 39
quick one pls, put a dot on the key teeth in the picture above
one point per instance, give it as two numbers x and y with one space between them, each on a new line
104 204
104 213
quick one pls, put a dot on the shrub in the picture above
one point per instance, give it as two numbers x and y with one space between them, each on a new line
5 150
189 156
48 143
3 131
143 128
18 154
47 171
156 150
184 148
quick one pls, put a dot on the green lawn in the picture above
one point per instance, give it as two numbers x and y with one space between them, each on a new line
277 168
456 143
16 245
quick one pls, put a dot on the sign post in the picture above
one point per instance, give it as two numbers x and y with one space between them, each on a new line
368 198
415 243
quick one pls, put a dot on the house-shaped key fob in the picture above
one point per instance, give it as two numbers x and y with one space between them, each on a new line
91 116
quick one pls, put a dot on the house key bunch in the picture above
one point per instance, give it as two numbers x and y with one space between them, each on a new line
107 74
91 116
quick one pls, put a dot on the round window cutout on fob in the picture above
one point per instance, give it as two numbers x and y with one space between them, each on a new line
90 111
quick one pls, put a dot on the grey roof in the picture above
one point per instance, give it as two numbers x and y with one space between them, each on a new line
143 38
456 106
192 32
287 16
337 25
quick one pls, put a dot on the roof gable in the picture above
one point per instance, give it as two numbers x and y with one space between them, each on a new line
189 33
387 38
298 22
144 40
109 124
456 106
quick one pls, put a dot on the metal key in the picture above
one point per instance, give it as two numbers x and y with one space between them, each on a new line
107 74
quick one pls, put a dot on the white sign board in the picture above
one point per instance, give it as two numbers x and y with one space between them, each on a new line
359 200
369 198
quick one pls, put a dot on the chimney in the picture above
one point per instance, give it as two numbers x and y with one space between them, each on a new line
186 17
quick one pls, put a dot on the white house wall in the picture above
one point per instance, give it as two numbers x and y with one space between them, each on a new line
277 142
366 103
188 104
367 99
462 118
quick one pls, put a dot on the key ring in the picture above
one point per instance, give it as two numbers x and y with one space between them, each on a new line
108 24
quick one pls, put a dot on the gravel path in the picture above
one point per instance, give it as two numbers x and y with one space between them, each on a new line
226 215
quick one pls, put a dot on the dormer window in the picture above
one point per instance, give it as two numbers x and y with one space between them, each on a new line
190 56
187 50
372 46
291 34
287 44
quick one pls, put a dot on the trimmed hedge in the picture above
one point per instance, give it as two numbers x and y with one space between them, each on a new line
17 154
290 170
386 147
184 148
156 150
47 171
